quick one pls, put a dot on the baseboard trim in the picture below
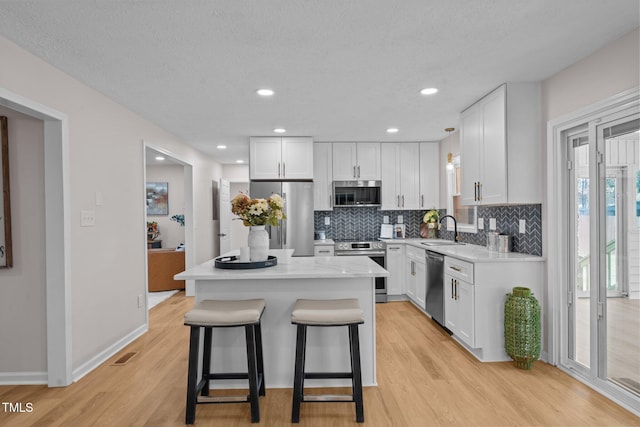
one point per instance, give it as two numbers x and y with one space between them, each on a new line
107 353
23 378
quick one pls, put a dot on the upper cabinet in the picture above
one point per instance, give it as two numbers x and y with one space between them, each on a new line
322 176
281 158
500 147
429 175
356 161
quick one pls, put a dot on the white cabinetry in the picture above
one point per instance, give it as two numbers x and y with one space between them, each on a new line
322 176
429 175
281 158
401 176
500 155
459 300
474 296
323 250
416 275
395 261
359 161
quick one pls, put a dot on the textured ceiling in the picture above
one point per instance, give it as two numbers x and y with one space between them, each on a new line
342 70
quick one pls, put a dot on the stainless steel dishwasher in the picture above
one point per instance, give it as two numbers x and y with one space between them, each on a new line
434 299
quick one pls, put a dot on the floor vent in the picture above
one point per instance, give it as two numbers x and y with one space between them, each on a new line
124 359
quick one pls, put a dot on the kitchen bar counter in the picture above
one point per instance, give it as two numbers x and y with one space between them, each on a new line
467 252
280 286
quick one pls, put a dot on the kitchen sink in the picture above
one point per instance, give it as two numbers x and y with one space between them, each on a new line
441 243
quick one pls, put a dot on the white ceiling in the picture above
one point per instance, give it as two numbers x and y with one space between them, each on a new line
342 70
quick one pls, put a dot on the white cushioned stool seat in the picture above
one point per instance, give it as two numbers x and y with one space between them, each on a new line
225 313
327 312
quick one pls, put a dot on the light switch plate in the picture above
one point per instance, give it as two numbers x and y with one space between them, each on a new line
522 226
327 220
400 219
385 219
87 218
492 223
480 223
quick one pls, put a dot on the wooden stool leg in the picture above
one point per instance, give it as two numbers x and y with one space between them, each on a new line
298 378
192 376
258 332
206 361
252 373
356 372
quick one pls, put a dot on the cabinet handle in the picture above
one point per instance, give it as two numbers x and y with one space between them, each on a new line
354 171
283 172
452 294
453 267
475 191
398 202
413 271
422 200
403 200
330 198
457 296
324 252
393 249
358 171
278 168
479 191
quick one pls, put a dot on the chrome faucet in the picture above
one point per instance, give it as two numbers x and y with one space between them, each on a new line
455 227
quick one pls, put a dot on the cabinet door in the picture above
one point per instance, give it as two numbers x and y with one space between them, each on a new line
409 175
421 284
265 161
466 312
450 304
389 174
344 161
368 161
395 266
297 158
410 283
429 175
493 157
322 177
470 152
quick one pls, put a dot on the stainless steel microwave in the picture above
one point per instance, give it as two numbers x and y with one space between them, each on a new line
356 193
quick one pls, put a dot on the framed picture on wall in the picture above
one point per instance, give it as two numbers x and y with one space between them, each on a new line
157 198
6 259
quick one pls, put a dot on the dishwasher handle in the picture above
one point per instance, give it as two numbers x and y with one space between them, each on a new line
435 256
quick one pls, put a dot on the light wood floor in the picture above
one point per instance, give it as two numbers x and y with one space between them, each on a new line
424 377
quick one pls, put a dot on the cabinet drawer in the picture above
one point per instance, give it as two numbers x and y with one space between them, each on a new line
323 250
416 253
459 269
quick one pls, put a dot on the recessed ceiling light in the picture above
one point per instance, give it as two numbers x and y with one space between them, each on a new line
429 91
159 158
221 147
392 130
239 161
279 130
265 92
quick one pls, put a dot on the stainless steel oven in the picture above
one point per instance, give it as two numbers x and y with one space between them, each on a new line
373 249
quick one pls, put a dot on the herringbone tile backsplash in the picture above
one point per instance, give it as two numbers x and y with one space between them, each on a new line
364 224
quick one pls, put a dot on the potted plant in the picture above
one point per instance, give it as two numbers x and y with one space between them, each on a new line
152 230
429 224
256 214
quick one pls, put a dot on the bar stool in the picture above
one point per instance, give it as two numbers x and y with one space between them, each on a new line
211 314
341 312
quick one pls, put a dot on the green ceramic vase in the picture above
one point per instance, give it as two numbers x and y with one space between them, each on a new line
522 327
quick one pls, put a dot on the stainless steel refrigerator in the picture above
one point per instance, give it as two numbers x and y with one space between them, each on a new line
296 232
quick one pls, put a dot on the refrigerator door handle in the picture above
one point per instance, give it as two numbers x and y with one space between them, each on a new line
284 223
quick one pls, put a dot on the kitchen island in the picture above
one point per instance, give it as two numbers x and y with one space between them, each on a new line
280 286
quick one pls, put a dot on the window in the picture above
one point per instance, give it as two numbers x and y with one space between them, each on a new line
465 215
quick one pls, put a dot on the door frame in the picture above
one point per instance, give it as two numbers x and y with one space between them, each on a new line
189 215
57 234
556 224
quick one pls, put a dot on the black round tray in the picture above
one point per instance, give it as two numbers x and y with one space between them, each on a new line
233 263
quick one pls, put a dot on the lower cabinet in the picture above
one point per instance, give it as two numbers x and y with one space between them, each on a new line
323 250
416 275
395 261
459 305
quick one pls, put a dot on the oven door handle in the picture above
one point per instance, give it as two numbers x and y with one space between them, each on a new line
363 253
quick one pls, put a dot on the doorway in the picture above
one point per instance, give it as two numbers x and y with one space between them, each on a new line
602 337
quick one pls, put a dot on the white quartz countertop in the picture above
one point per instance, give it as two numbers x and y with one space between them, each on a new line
325 242
467 252
289 267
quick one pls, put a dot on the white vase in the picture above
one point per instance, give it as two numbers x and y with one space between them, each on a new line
258 243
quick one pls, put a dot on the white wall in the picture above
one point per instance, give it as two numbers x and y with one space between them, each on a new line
107 261
171 233
235 173
22 286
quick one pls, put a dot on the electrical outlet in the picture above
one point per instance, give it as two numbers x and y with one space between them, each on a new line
385 219
327 220
480 223
140 301
492 224
400 219
522 226
87 218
